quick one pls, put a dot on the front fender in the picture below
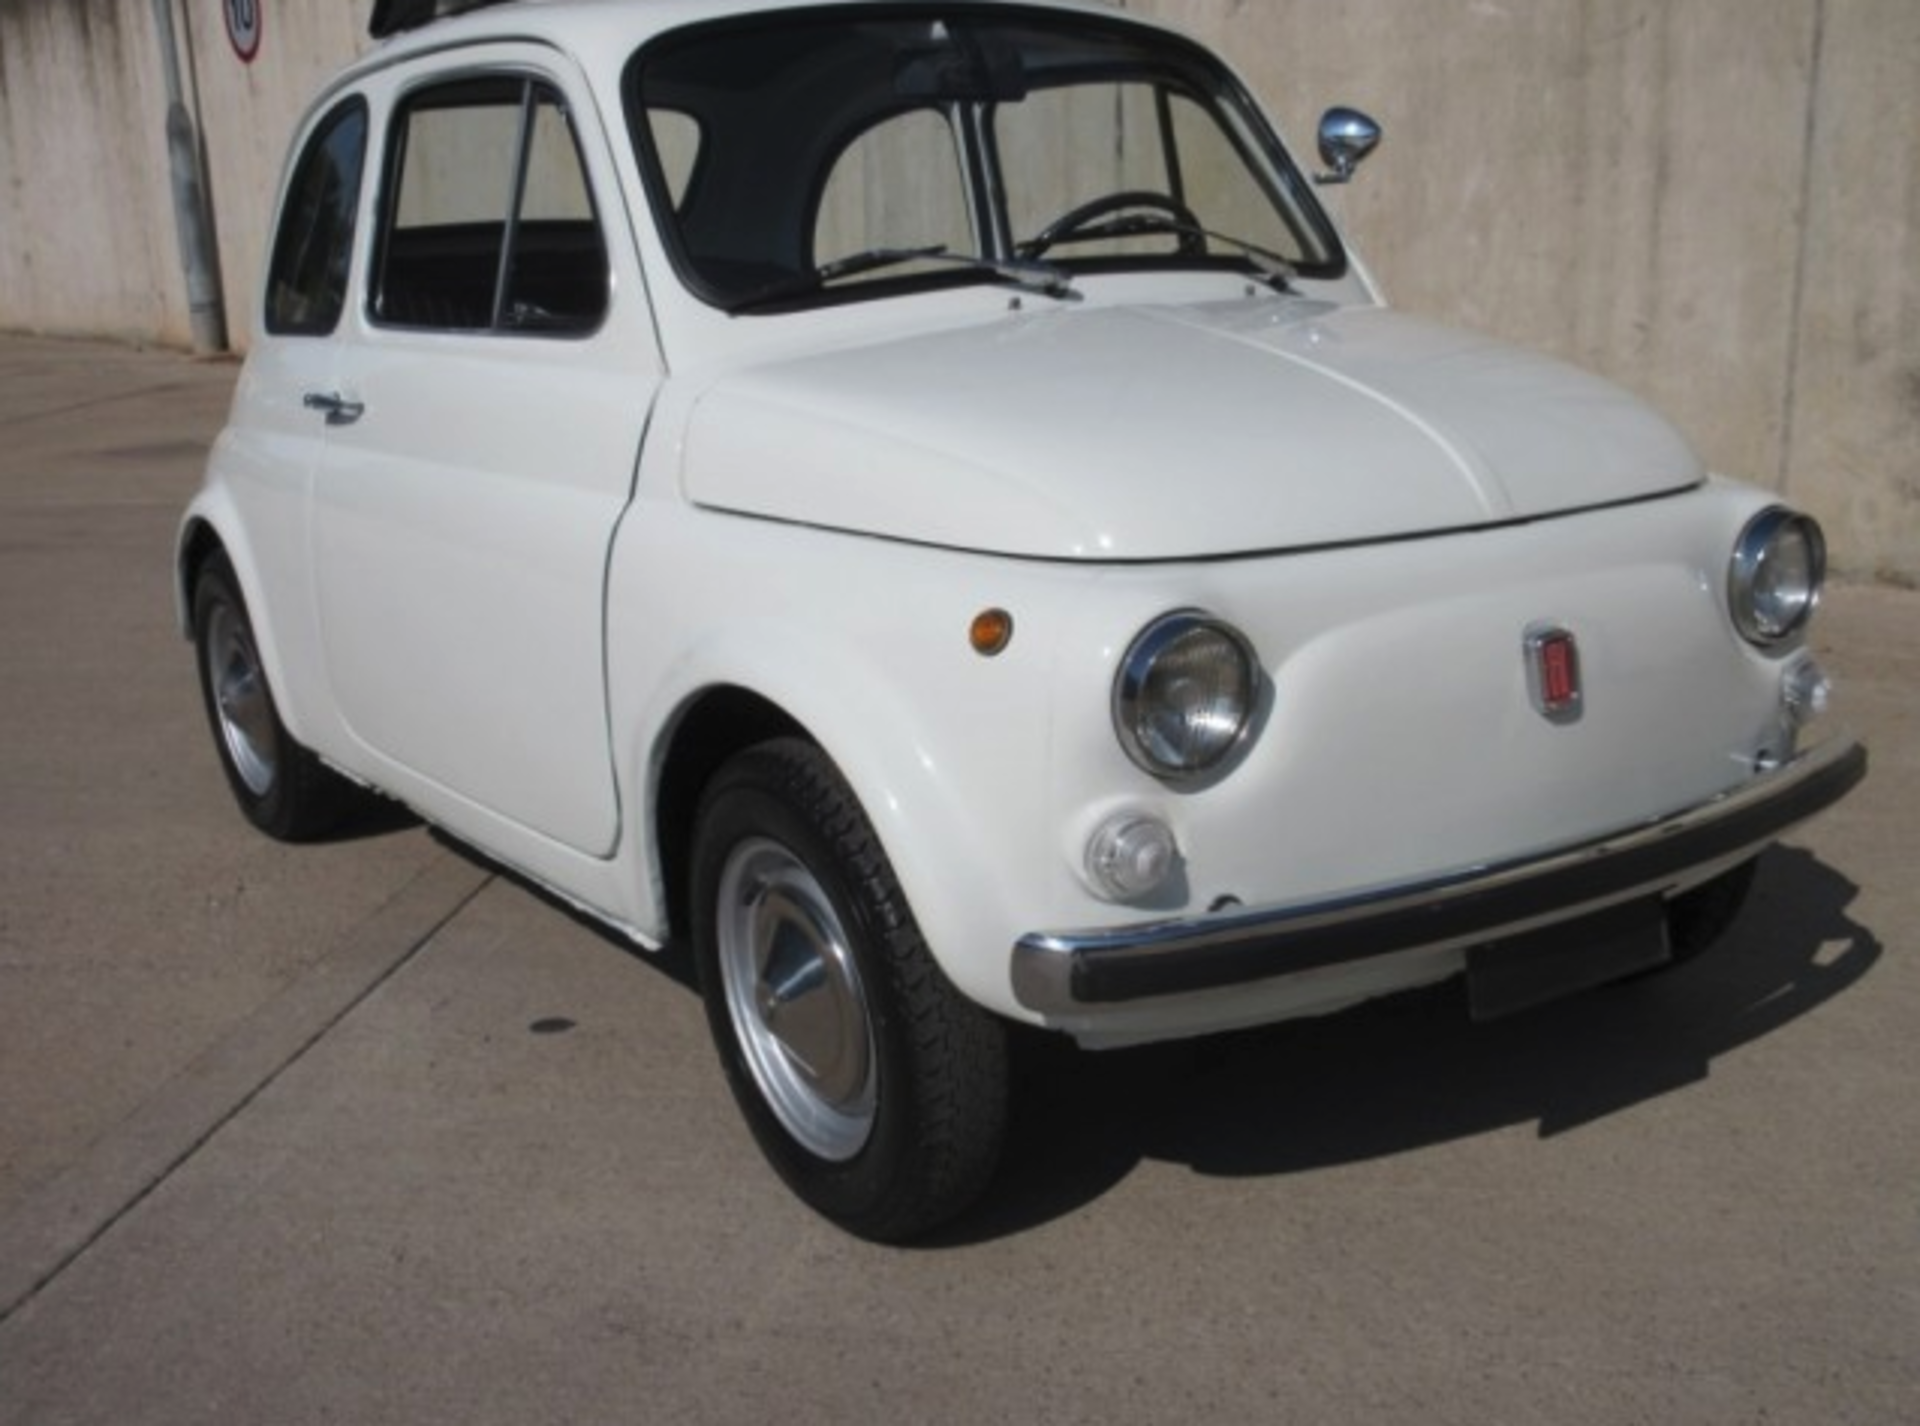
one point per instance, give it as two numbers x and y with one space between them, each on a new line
944 749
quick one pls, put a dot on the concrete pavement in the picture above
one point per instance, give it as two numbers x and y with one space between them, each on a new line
364 1133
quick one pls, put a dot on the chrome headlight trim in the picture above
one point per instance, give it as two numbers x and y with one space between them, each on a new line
1181 744
1773 582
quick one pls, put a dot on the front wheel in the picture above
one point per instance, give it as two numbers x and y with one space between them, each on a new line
874 1088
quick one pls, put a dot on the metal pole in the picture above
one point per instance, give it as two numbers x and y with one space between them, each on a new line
199 257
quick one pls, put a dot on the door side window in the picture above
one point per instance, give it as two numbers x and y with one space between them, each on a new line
313 249
488 223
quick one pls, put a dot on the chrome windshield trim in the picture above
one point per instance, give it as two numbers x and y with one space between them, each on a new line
1061 971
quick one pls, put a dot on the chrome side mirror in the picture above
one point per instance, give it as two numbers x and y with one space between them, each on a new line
1346 137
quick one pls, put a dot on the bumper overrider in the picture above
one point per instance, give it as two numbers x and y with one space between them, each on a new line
1068 972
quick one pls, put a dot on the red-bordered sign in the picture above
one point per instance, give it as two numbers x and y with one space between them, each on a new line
243 26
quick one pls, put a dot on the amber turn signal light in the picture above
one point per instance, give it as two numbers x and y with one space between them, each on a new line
990 632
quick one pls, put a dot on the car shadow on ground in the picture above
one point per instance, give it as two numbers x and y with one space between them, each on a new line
371 816
1389 1077
1405 1073
674 960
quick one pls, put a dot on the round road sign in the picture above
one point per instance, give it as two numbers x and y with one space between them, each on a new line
243 26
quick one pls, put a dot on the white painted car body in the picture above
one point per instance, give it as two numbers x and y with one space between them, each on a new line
509 591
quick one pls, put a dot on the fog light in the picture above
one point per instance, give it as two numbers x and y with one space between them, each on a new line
1131 856
1805 691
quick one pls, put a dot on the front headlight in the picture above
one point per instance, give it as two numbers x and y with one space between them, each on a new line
1774 581
1185 695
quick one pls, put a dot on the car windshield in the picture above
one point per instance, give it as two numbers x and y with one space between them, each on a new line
823 155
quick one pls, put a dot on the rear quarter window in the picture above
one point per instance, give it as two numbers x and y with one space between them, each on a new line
313 246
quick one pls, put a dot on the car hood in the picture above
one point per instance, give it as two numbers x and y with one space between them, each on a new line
1154 433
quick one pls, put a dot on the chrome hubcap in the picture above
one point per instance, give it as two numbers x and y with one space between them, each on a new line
793 993
240 699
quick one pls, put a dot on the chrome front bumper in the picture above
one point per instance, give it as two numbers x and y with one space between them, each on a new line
1069 972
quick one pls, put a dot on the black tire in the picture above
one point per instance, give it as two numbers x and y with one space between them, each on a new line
282 788
874 1088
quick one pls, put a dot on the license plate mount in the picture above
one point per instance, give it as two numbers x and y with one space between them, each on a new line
1534 968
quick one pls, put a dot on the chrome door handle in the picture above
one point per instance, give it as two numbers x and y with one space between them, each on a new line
340 411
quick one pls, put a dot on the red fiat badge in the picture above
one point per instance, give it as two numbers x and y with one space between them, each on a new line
1553 672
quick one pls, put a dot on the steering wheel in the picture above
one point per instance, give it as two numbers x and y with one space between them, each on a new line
1066 228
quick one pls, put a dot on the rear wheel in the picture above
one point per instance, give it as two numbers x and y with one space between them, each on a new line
874 1088
282 788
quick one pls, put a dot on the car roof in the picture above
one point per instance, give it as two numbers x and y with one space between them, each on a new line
576 23
619 27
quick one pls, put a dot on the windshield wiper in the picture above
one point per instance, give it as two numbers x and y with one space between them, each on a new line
1028 273
874 259
1046 278
1271 268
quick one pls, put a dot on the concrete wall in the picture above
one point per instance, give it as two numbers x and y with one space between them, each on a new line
85 232
1852 393
248 116
1716 202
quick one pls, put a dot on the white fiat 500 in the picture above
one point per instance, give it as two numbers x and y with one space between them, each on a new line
917 503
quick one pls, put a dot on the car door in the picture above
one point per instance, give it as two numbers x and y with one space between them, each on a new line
484 429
